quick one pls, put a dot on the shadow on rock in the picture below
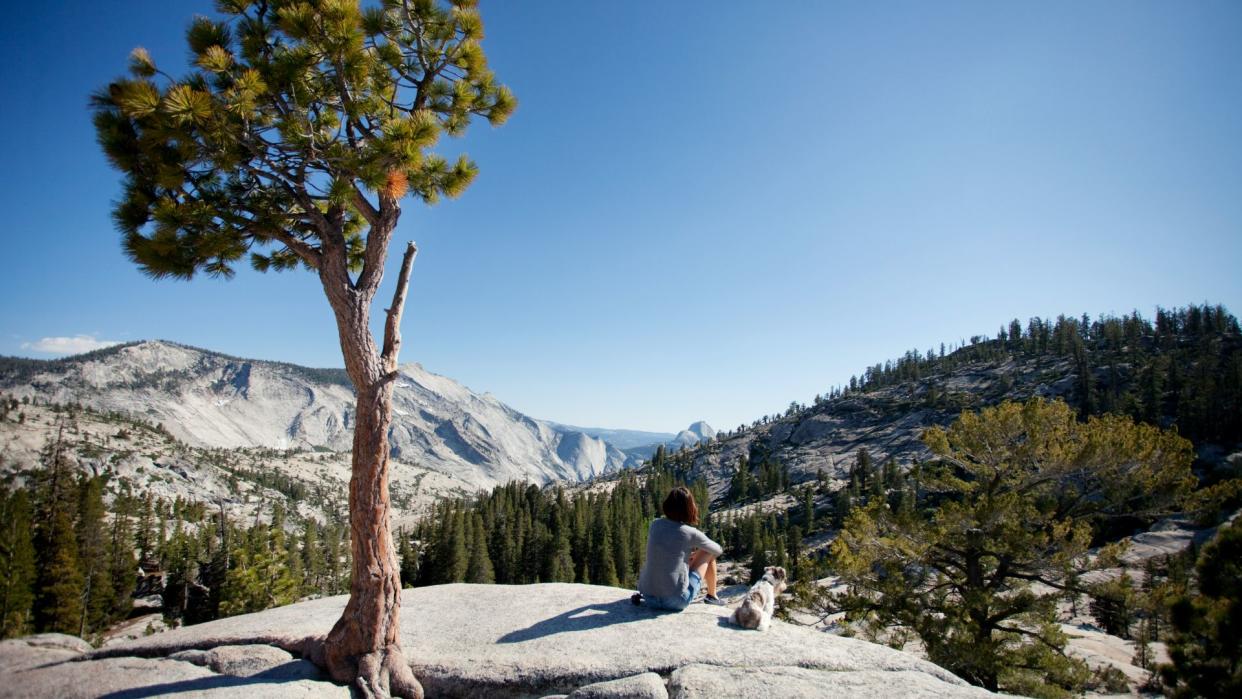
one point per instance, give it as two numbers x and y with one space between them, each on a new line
584 618
275 676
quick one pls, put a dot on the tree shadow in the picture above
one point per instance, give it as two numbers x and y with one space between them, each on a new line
277 675
584 618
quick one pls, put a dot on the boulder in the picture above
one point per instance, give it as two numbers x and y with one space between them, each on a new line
645 686
252 660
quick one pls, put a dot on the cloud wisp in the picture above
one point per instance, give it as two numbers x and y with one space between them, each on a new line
67 345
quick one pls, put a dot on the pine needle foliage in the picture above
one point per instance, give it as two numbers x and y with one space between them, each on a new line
1009 511
1205 647
17 563
296 115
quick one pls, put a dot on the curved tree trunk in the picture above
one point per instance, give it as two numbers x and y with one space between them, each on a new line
364 647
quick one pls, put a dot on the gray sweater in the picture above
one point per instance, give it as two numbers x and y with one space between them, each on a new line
665 573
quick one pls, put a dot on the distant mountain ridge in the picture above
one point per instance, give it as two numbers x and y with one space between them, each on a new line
621 439
1183 368
206 398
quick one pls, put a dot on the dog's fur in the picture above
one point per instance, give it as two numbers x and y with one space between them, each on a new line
760 602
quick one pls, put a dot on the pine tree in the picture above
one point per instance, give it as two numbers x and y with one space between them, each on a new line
808 509
58 582
121 566
409 559
1205 647
561 568
17 563
179 568
312 559
144 535
845 499
1020 488
603 567
93 559
479 568
303 164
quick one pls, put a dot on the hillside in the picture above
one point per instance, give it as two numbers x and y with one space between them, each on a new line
210 400
1183 370
244 482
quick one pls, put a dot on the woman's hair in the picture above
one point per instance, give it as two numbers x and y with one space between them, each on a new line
679 506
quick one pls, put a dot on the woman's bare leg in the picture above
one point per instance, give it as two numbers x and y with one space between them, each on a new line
704 564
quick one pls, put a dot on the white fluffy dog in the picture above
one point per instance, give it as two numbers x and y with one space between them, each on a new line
760 602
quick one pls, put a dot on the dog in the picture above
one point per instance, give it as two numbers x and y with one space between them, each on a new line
760 601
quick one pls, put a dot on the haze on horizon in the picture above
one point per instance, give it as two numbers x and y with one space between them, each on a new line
698 211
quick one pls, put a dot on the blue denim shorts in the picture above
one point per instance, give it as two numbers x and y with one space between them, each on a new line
678 602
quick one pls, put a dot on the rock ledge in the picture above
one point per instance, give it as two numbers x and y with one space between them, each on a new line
493 641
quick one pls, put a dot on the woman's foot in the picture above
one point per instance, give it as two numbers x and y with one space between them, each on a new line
713 599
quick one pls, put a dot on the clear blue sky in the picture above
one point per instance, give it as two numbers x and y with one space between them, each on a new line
702 210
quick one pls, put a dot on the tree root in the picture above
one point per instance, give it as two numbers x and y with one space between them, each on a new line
378 674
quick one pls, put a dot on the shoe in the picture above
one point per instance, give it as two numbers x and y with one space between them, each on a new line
713 599
636 598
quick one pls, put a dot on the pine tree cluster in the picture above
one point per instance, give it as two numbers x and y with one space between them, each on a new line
74 561
1183 368
520 533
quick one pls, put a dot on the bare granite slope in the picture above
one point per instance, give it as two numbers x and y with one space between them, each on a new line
495 641
206 399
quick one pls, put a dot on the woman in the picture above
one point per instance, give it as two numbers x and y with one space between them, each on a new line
680 559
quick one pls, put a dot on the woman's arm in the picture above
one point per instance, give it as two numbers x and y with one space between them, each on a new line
702 542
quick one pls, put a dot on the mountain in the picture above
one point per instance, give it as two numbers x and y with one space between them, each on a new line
621 439
692 435
206 399
1183 369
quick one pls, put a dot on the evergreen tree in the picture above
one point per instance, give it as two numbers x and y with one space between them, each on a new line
479 568
409 559
1205 648
121 566
58 581
1021 488
93 557
1112 605
144 535
808 509
17 563
312 559
561 566
295 137
603 567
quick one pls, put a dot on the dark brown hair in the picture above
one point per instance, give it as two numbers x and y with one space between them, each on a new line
679 506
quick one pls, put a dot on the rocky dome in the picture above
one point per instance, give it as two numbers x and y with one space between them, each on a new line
493 641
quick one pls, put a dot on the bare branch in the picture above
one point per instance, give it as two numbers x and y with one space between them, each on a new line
392 326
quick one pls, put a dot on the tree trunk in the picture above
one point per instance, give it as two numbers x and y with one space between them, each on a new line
364 647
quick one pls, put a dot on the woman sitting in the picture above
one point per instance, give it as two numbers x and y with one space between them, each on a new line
680 559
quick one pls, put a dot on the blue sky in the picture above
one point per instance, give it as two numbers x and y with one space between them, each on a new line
701 210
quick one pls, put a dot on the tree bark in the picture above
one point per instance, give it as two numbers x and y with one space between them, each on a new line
364 647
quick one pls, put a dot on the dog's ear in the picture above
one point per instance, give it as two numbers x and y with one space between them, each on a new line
778 573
